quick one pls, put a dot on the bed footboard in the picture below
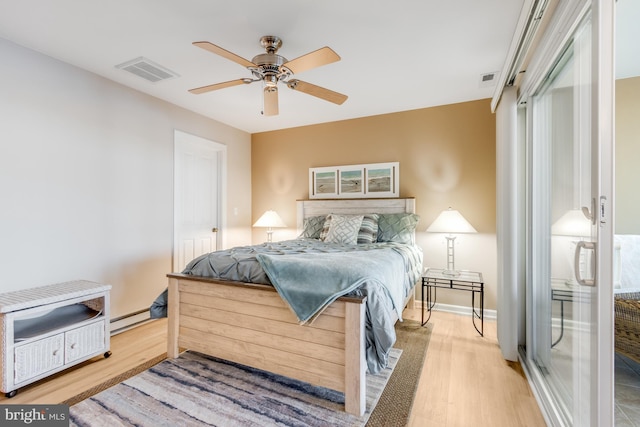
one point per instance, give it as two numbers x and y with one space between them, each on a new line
250 324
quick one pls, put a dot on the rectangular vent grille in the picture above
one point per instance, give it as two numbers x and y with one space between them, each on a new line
147 69
488 79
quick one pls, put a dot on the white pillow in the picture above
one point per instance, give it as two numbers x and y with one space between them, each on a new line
344 229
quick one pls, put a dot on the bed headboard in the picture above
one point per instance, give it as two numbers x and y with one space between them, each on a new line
309 208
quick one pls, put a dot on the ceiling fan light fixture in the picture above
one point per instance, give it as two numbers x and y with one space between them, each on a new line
270 80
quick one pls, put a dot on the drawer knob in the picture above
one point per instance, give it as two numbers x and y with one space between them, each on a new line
55 352
73 346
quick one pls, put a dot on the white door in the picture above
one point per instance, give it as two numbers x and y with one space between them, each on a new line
197 197
569 274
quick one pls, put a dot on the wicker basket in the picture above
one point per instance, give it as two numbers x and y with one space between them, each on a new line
627 320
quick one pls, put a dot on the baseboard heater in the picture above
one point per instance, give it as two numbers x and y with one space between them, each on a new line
128 321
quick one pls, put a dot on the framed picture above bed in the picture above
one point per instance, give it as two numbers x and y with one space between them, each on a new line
373 180
323 182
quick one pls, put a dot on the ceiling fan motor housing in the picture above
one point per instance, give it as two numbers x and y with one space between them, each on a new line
268 65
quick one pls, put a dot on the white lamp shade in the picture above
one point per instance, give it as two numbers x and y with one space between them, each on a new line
572 223
451 221
270 219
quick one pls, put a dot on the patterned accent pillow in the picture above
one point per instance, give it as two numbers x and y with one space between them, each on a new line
368 232
369 229
397 227
344 229
313 227
325 228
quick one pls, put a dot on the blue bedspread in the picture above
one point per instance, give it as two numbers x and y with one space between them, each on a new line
310 274
310 282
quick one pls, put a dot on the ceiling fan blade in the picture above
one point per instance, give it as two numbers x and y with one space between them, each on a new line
311 60
270 100
317 91
217 86
224 53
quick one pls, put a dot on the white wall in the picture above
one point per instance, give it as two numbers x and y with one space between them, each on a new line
474 252
86 179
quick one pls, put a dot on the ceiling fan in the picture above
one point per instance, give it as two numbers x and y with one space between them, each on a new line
271 68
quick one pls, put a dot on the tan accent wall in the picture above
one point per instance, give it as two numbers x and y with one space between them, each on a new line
447 158
446 154
627 156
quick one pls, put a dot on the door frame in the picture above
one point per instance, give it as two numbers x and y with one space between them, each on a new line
537 59
182 140
566 19
603 128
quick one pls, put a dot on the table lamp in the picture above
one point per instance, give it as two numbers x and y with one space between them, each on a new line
270 219
450 221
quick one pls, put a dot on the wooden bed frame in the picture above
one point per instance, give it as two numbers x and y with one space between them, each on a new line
250 324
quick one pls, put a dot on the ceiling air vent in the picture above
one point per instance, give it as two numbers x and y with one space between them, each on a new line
147 69
488 79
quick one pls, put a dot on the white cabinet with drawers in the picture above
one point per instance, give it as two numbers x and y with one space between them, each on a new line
47 329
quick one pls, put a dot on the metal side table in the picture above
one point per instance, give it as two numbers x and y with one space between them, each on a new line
470 281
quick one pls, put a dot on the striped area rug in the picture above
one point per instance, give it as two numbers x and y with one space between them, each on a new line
199 390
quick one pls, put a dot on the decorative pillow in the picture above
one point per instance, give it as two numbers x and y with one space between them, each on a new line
368 232
313 227
369 229
325 227
343 229
397 227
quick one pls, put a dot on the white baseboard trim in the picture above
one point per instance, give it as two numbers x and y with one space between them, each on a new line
460 309
128 321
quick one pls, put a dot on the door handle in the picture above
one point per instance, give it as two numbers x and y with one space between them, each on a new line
214 230
576 264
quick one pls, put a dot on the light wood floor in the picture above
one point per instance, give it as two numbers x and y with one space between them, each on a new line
464 382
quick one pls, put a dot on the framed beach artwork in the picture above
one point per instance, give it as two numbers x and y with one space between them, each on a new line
323 183
355 181
351 182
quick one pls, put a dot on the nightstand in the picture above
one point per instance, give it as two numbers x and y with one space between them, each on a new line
470 281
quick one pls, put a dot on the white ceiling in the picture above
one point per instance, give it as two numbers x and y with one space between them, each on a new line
396 56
